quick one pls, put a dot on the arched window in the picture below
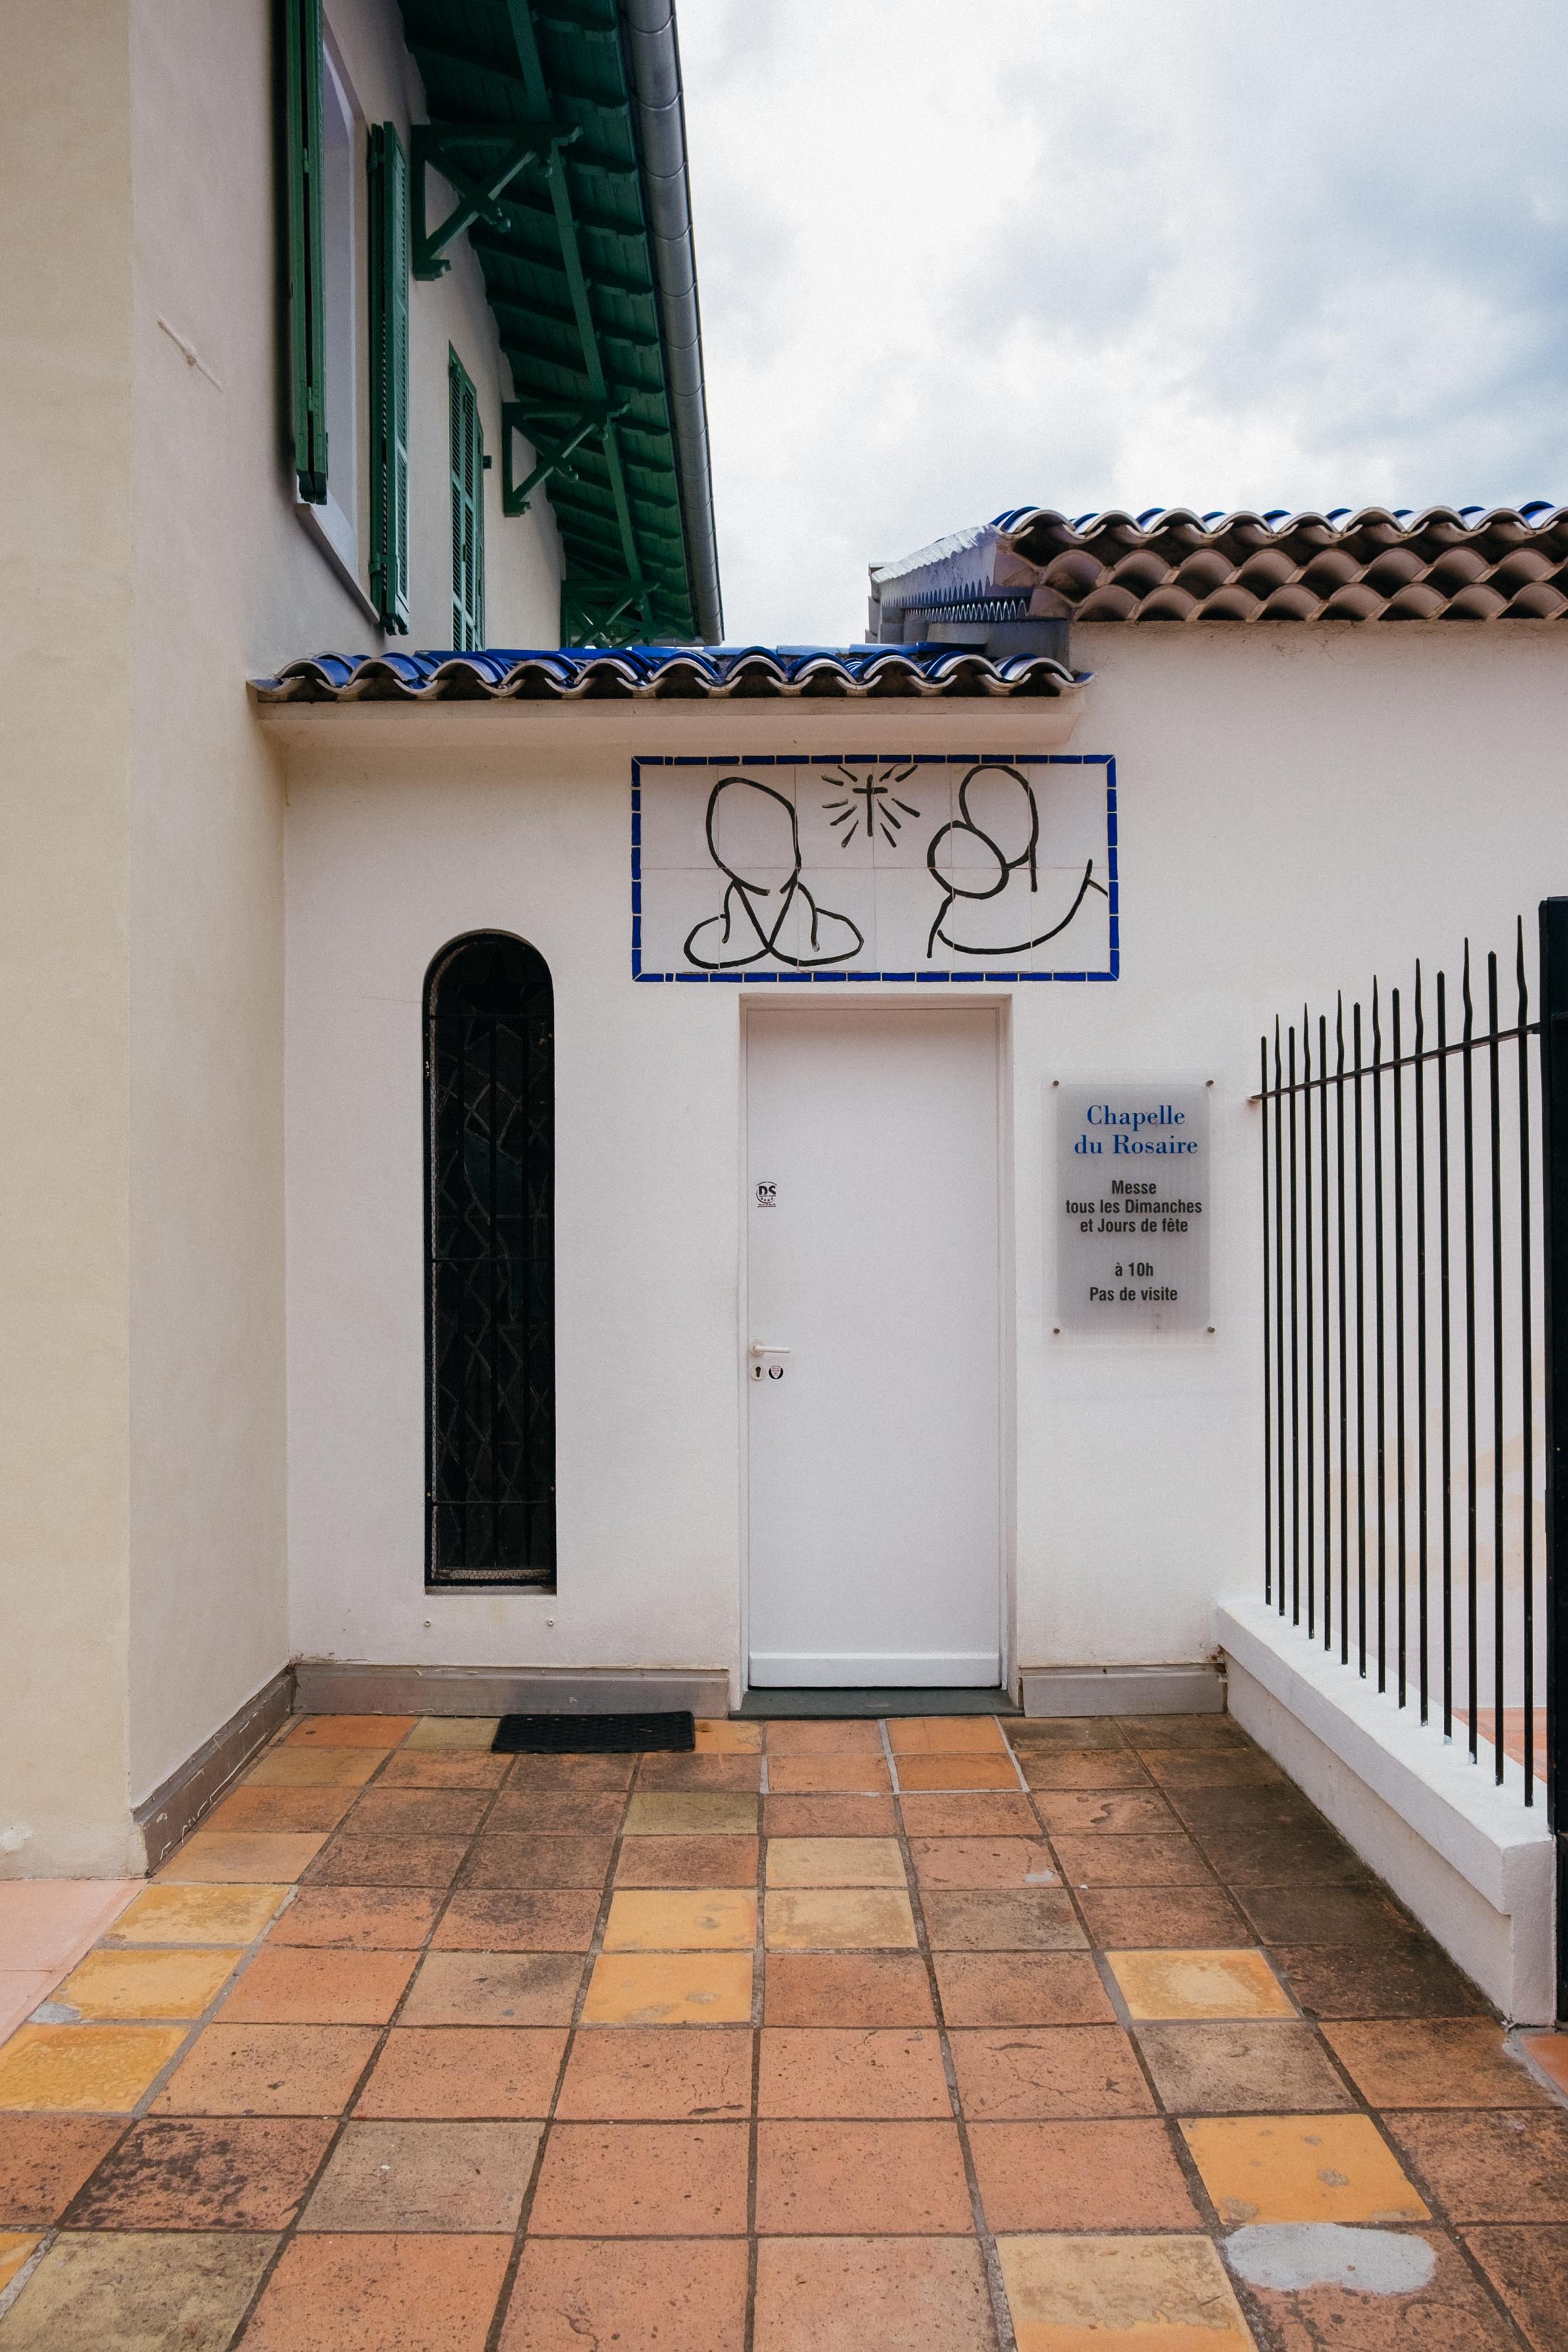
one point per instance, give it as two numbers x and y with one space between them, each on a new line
489 1073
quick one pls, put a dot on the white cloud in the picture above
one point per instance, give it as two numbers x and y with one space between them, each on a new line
1217 252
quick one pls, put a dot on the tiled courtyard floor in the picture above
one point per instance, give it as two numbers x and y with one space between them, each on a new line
832 2037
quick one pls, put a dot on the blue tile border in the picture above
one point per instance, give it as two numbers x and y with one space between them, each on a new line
837 759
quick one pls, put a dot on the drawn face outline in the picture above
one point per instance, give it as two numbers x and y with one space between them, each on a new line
753 785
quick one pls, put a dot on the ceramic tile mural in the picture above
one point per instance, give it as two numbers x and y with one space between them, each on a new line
893 867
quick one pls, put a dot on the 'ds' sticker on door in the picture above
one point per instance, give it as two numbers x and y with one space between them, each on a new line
767 1196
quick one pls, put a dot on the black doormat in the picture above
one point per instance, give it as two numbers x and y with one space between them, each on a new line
591 1735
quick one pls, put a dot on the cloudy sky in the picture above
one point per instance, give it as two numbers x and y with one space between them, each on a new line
1094 253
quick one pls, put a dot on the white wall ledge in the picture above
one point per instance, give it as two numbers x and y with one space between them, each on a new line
1439 1828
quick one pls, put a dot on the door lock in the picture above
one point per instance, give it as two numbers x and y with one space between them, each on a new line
762 1368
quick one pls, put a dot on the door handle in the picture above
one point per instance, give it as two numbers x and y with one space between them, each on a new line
759 1348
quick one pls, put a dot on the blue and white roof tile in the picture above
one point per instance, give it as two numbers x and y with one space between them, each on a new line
581 674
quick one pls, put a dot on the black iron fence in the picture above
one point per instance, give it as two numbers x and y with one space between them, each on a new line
1405 1329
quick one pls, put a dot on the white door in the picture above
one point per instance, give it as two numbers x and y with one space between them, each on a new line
875 1440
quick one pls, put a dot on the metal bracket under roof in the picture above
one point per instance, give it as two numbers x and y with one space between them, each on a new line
452 147
579 420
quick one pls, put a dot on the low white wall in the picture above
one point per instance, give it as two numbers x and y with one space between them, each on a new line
1473 1864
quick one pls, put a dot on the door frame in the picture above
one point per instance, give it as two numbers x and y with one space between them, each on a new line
826 1008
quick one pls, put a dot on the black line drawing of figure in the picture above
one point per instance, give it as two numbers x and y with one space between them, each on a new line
993 872
764 888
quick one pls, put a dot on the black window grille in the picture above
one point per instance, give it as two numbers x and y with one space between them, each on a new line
490 1240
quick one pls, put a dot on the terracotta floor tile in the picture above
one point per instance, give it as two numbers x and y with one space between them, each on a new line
1529 2269
997 1861
288 1984
581 1862
945 1734
1241 2070
550 1920
1021 1988
1301 2168
359 1918
1203 1733
691 1812
47 1923
392 2293
669 1989
84 2069
1031 1732
981 1920
651 2073
820 1775
1426 2062
1277 1857
269 2070
872 2294
688 1862
1131 1862
1176 1768
352 1860
842 1816
847 1738
1048 2073
1081 2176
1443 2307
1171 2295
242 2173
840 2179
443 1767
1549 2053
683 1919
139 2292
314 1768
636 2180
602 1773
44 2161
846 1988
681 2294
1082 1767
1119 1917
839 1919
198 1915
461 2074
1344 1980
968 1771
351 1730
1248 1808
258 1807
419 1812
424 2176
18 2248
692 1771
835 1861
971 1813
137 1981
1495 2166
1194 1984
553 1812
246 1857
1105 1812
716 1737
1325 1914
844 2071
494 1989
449 1733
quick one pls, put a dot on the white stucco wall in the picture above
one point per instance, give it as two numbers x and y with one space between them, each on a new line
1296 809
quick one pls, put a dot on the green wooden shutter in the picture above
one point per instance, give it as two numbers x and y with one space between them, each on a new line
389 377
307 265
467 509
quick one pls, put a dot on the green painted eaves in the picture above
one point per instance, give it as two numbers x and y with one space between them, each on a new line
569 269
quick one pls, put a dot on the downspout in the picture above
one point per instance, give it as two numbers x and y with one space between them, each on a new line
655 62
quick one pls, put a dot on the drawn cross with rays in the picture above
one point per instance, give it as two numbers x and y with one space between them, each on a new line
883 811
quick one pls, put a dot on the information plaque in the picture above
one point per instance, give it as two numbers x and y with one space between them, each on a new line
1131 1210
